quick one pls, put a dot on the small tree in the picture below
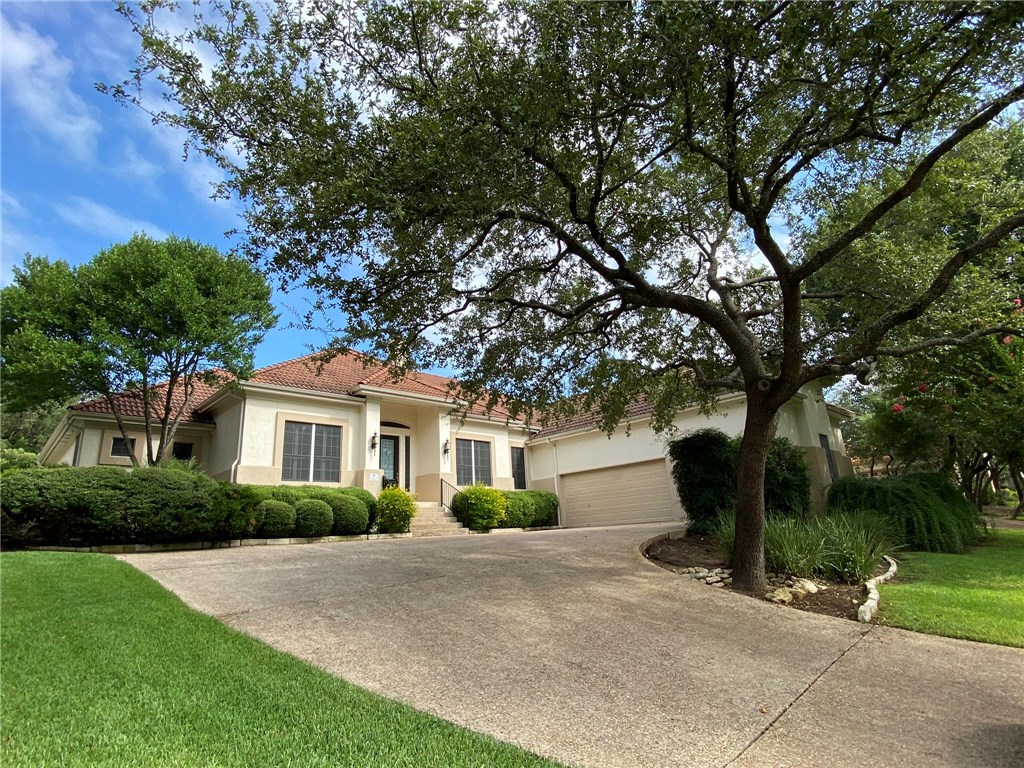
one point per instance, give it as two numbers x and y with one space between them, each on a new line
150 318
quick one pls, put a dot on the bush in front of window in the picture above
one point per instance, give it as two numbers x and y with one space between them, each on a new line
545 508
278 518
395 510
165 505
313 518
520 510
368 499
351 516
480 507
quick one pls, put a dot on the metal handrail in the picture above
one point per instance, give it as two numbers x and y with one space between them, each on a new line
448 492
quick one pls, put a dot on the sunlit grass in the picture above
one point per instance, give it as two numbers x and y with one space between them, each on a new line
101 666
973 596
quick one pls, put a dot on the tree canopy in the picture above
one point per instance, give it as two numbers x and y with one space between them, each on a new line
151 318
580 204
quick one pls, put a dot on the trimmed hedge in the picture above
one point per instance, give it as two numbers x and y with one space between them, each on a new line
704 471
313 518
350 515
395 510
369 501
545 507
278 519
480 507
529 509
924 510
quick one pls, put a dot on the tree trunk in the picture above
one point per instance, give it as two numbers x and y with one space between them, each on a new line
748 548
1016 469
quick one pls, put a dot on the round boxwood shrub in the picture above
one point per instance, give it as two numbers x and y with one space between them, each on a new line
350 515
313 518
367 498
395 510
278 518
480 507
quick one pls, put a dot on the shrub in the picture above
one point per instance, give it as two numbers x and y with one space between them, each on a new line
165 505
289 494
480 507
350 515
278 518
923 513
16 458
239 509
519 512
313 518
794 546
787 479
367 498
545 507
855 544
704 471
395 510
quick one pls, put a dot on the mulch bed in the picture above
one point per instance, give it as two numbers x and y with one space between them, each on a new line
839 600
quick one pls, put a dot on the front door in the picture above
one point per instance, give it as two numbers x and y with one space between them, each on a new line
389 459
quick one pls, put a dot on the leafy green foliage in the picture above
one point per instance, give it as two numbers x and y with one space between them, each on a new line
519 510
480 507
704 470
924 512
16 458
351 516
545 508
837 547
167 506
29 429
150 317
313 518
395 510
278 518
368 499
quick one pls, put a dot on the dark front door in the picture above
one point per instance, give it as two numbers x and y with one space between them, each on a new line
389 459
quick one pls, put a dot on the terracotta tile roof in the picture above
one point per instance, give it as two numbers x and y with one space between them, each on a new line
130 404
346 372
590 419
343 374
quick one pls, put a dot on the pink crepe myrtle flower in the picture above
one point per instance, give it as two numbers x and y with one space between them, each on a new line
922 387
897 408
1017 302
1007 339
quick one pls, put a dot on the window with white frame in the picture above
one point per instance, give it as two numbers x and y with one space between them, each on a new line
472 462
312 452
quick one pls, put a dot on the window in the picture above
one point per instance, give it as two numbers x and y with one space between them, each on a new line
183 451
472 462
519 468
312 453
118 447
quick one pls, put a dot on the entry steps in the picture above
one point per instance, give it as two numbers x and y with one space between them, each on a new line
432 519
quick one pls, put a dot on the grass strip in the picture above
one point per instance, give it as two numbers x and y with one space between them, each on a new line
102 666
974 596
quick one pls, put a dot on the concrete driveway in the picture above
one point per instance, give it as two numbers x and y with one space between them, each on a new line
570 644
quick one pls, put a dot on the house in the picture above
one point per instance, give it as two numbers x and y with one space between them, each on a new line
341 423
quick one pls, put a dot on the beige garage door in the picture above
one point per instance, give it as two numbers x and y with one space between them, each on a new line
633 493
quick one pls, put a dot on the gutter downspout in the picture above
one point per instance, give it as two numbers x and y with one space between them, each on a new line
241 433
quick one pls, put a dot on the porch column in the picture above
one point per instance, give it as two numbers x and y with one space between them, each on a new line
364 458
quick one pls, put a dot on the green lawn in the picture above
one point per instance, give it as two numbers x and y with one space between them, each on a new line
975 596
102 666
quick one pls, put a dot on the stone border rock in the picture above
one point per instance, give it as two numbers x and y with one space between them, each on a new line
869 607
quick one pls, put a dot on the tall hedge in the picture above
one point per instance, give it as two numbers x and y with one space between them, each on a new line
924 510
704 471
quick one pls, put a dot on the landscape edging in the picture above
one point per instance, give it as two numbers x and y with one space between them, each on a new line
869 607
128 549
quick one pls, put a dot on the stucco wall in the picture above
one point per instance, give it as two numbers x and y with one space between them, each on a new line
224 441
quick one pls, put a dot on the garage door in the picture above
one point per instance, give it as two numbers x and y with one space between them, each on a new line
633 493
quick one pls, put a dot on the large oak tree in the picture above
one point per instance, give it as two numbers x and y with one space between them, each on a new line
580 204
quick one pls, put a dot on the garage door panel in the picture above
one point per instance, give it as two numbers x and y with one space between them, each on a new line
633 493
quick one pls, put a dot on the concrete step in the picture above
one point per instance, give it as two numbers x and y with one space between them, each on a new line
435 520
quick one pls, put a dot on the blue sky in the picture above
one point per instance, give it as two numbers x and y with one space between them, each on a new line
79 172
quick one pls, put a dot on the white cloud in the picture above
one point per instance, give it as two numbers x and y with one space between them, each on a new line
98 219
135 167
11 205
37 82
